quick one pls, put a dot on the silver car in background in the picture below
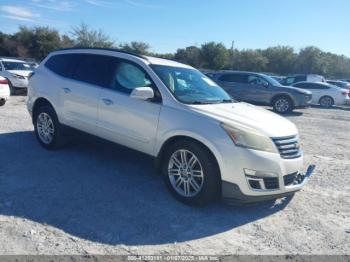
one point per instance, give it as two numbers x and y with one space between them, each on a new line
262 89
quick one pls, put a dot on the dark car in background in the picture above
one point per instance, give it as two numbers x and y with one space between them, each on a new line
262 89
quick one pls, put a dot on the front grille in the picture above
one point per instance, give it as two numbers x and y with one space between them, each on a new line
288 147
271 182
289 179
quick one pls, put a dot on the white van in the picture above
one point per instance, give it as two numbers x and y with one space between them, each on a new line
290 80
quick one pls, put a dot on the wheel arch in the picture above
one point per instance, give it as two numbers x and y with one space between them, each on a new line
282 95
319 100
172 139
39 102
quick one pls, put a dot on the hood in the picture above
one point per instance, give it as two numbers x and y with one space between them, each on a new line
268 123
298 90
20 72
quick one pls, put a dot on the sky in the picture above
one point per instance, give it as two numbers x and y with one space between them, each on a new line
170 24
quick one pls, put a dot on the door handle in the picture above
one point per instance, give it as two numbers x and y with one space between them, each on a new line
66 90
107 102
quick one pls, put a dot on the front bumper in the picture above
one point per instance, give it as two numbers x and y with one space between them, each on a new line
232 193
19 83
303 102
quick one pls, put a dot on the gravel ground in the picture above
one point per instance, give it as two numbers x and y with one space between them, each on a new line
94 197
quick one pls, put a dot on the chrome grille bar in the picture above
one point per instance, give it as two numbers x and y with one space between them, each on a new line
288 147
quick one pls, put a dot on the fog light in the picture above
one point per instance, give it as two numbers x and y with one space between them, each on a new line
260 174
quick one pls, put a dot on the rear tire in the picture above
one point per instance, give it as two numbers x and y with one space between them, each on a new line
194 178
47 129
326 101
2 102
282 105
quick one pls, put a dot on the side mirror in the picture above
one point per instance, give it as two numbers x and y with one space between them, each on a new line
265 84
142 93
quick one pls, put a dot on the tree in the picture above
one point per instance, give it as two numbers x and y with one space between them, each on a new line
214 56
136 47
190 55
280 59
83 36
249 60
39 41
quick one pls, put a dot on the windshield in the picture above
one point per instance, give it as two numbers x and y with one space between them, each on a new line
191 86
272 81
16 65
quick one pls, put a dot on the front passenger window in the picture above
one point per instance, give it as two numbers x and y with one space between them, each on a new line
256 80
129 76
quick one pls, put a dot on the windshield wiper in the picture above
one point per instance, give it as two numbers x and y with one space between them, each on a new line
227 101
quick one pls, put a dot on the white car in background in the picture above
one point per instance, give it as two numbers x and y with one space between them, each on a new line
17 72
325 94
4 90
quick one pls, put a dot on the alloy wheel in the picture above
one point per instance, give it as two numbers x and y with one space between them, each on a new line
185 173
45 128
282 105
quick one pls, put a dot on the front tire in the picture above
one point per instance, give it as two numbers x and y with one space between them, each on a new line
2 102
47 129
282 105
326 101
191 173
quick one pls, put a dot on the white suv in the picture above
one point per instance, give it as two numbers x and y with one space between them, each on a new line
205 144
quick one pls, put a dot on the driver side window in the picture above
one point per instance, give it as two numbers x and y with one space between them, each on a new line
256 80
129 76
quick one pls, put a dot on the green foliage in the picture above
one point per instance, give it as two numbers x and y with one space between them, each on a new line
214 56
84 36
136 47
37 42
280 59
249 60
190 55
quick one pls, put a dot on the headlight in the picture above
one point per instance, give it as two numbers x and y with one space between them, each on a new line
249 138
18 76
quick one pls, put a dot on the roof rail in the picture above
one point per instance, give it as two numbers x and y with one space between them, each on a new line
100 48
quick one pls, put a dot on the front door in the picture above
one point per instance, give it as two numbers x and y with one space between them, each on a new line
125 120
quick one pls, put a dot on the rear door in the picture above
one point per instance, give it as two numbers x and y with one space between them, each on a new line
234 84
125 120
258 89
75 100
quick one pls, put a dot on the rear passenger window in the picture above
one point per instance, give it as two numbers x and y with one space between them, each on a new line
235 78
63 65
96 69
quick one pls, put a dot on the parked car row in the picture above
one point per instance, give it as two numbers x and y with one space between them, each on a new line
292 92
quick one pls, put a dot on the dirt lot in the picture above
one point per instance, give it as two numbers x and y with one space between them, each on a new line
93 197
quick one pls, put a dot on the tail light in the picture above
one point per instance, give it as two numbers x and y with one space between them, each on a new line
4 81
345 93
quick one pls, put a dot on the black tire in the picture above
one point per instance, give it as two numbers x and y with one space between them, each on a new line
13 90
211 185
282 104
2 102
58 139
326 101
